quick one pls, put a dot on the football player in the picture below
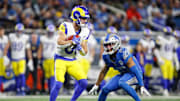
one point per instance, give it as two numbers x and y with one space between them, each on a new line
166 55
3 62
176 33
125 43
19 43
120 59
65 57
148 45
46 51
111 73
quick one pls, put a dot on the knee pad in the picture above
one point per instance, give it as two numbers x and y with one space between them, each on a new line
83 83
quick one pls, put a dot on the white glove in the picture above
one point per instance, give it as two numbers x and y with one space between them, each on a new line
94 89
144 91
177 66
6 61
30 65
101 63
160 61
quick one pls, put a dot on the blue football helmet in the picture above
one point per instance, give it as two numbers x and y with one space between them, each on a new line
176 33
111 30
51 28
147 32
80 12
125 38
19 27
111 43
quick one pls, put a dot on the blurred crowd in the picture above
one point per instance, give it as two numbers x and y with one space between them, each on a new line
140 14
38 14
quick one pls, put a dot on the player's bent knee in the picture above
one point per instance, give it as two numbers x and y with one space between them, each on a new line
105 90
83 83
121 83
58 85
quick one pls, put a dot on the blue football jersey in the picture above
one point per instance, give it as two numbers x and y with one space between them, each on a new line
119 63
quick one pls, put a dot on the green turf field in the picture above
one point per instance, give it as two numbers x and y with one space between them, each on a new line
87 98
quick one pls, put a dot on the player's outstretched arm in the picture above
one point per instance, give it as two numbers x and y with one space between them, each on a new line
134 69
101 76
30 60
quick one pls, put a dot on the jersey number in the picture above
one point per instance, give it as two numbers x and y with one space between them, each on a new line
17 46
69 50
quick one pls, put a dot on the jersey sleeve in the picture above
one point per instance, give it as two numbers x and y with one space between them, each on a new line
63 28
126 55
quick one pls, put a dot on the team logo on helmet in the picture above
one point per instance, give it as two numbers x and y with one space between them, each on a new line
80 12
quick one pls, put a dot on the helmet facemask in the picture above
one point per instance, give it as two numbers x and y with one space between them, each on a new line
112 44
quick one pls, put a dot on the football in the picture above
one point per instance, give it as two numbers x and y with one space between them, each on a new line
71 37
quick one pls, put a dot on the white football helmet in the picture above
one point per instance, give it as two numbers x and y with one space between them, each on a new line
111 43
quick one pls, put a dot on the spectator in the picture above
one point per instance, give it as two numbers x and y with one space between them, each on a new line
159 20
151 9
135 25
142 10
132 12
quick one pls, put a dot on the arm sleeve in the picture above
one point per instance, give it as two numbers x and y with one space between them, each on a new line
138 75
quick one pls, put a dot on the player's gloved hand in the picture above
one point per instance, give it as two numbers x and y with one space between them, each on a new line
6 60
78 47
76 40
160 61
101 63
177 66
94 89
144 91
30 65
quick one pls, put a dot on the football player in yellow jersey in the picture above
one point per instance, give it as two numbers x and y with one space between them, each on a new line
3 42
66 49
166 56
19 42
148 45
46 51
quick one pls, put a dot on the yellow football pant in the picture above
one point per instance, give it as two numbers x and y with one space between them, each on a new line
148 70
72 67
167 69
2 67
19 67
48 66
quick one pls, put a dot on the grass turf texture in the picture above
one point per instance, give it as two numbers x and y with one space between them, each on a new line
87 98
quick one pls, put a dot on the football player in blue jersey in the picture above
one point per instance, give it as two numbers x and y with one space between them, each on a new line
120 59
